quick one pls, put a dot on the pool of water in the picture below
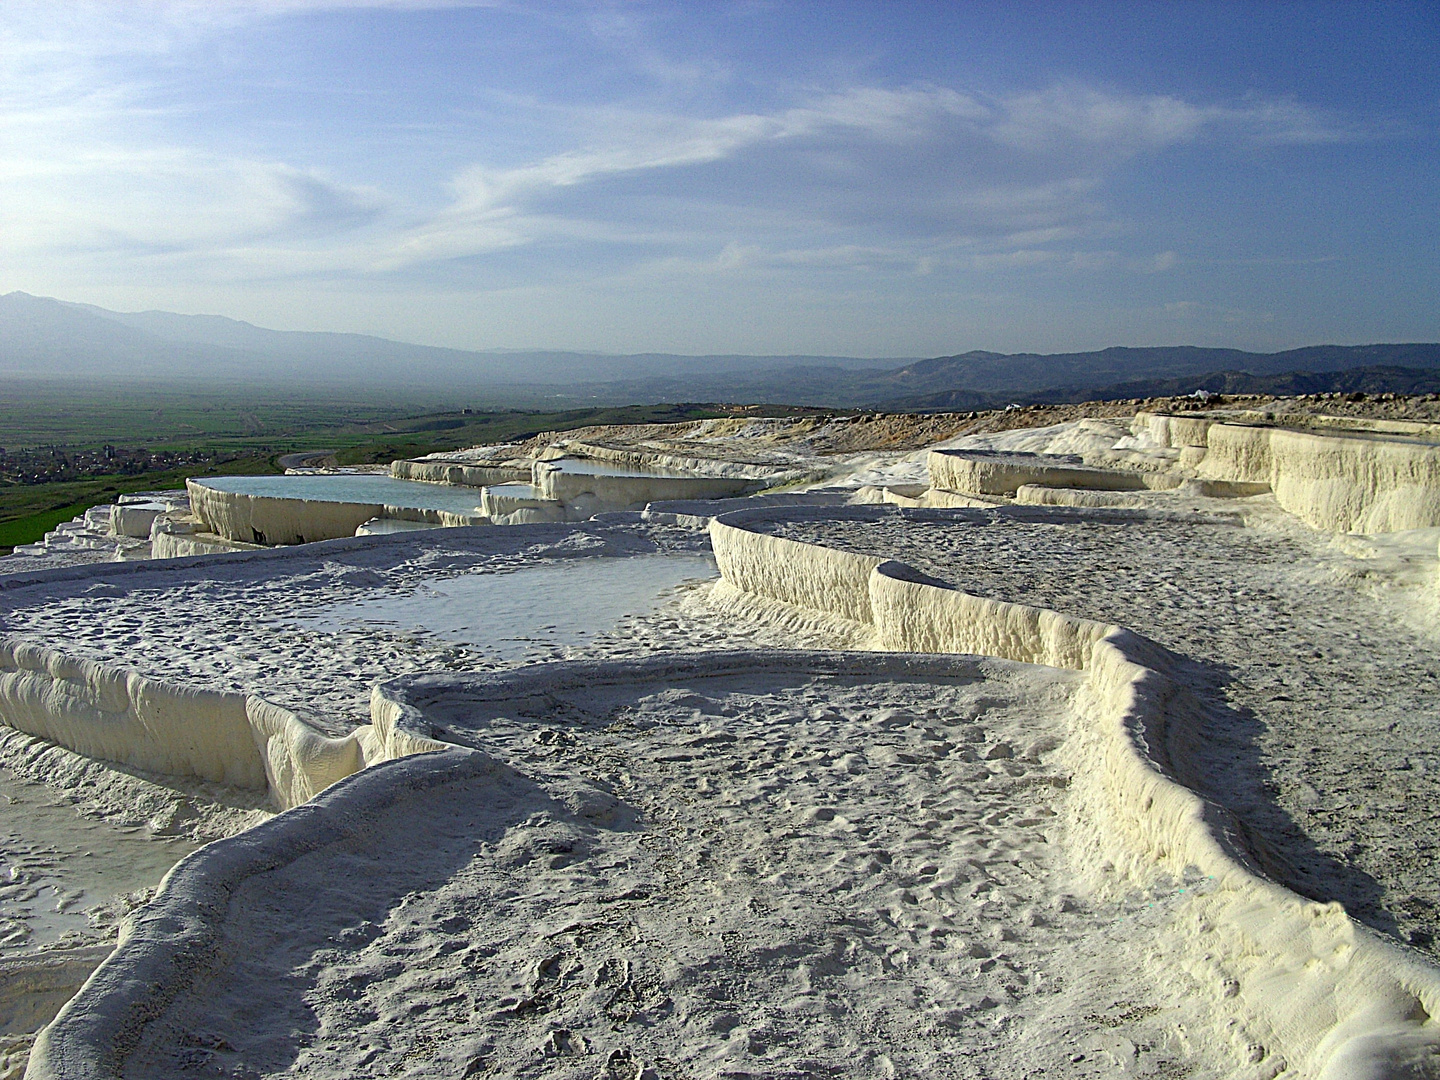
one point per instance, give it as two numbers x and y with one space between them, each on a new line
387 526
59 871
591 467
357 488
512 613
514 491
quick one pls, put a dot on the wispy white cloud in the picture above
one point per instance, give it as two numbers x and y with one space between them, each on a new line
1087 260
1029 258
101 201
1023 168
639 141
1065 117
930 164
1069 116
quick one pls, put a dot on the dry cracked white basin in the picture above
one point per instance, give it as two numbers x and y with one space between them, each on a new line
569 600
56 866
78 853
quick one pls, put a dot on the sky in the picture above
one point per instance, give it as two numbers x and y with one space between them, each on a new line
886 179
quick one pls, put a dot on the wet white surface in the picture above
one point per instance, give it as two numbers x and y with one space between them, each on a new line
511 613
594 467
66 878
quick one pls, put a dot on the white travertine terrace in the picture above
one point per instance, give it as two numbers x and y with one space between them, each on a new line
255 519
442 472
1301 984
134 520
1304 989
596 492
555 493
983 472
179 540
117 714
1335 474
267 520
1329 995
1337 483
670 459
558 490
517 504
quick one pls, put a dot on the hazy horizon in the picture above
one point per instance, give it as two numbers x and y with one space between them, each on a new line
864 180
503 350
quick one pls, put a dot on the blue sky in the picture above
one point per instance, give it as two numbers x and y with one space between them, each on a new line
871 179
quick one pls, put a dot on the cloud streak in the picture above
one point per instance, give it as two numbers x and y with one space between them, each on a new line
977 168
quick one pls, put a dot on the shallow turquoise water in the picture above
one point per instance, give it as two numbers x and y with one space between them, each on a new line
359 488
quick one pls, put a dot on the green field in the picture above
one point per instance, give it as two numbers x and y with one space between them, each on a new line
35 417
29 529
253 433
42 415
29 511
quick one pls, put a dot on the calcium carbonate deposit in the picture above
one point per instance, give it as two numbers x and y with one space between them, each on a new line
1323 735
1127 771
816 867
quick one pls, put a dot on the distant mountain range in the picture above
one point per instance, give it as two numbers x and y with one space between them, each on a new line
43 338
